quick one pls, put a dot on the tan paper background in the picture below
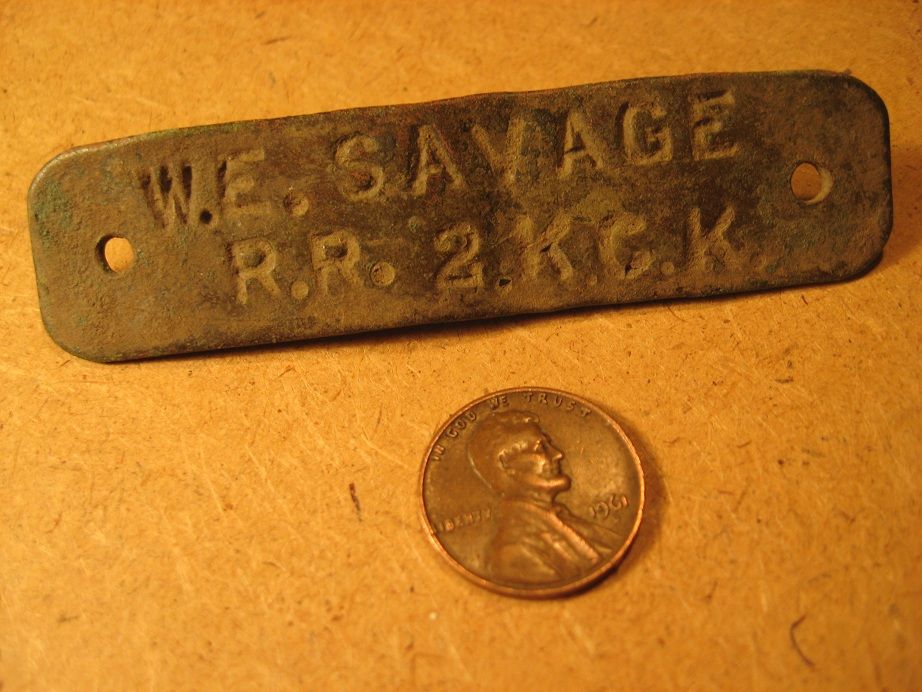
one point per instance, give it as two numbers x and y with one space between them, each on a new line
187 523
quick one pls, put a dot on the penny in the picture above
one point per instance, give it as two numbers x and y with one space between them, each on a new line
532 492
482 206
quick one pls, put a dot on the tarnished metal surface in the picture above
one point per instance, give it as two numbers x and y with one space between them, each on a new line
277 230
531 492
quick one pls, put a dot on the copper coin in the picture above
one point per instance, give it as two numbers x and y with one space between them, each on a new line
532 492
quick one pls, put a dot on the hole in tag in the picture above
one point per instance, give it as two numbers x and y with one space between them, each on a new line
115 253
810 183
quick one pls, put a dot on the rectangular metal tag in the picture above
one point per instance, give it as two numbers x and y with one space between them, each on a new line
276 230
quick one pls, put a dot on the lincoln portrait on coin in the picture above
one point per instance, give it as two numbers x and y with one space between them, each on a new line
537 539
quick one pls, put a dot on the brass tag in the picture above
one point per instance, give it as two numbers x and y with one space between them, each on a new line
276 230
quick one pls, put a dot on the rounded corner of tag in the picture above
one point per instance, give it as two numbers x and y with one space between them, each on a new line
47 200
71 341
46 174
873 97
870 249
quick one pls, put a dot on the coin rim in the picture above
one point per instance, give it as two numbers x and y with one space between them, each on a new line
547 592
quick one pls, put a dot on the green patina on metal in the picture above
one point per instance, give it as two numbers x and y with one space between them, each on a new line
482 206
